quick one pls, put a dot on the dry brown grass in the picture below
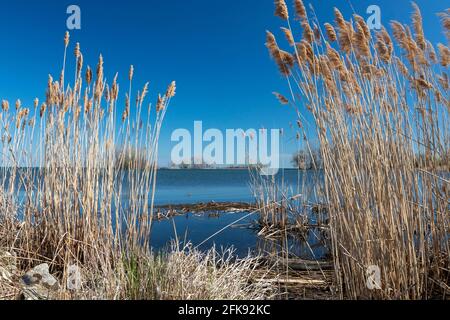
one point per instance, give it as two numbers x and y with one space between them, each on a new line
375 111
184 273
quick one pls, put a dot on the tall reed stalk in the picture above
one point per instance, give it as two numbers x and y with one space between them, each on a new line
381 109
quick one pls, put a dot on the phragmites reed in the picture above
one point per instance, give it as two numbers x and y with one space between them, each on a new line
384 45
381 119
66 39
281 9
331 33
282 99
5 105
300 10
418 27
88 75
42 110
131 73
445 18
87 201
77 50
171 90
308 33
284 59
160 103
289 36
444 53
345 32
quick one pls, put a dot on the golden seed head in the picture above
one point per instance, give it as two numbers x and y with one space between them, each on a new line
66 39
160 104
418 27
131 73
100 68
331 33
79 63
5 105
42 111
170 93
77 51
300 9
289 36
282 99
144 92
444 53
281 9
88 75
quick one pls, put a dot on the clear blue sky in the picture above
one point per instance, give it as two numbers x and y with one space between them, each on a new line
213 49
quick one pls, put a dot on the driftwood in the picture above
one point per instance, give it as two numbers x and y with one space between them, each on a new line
208 207
299 264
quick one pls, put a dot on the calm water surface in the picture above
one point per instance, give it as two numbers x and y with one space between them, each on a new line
193 186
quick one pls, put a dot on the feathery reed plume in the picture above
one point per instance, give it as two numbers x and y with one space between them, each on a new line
334 58
431 53
144 92
444 53
284 60
77 50
345 31
160 103
88 75
281 9
339 19
126 112
384 45
282 99
362 23
445 19
18 104
131 73
98 87
5 105
66 39
399 33
418 26
317 34
271 44
308 33
289 37
170 92
42 110
115 88
444 81
331 33
362 36
79 63
300 9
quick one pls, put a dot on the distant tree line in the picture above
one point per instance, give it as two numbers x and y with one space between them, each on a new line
307 159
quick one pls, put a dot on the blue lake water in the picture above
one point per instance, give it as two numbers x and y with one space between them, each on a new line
194 186
191 186
197 228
